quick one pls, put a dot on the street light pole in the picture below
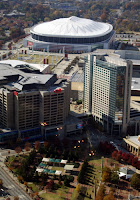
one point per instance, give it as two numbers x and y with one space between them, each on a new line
94 189
102 162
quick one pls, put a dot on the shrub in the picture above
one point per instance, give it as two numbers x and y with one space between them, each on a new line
76 165
66 182
79 102
70 178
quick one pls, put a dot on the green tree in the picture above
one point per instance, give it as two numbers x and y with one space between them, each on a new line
79 102
135 181
66 182
106 177
114 177
106 174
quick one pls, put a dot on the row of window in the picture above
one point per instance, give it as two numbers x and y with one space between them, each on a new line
71 40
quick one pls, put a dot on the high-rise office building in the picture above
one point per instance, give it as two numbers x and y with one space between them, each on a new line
32 105
107 91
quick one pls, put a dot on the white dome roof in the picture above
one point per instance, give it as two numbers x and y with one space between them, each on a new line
72 27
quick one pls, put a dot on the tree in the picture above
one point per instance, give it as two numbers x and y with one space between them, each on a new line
79 102
135 181
81 175
106 177
18 150
46 144
27 146
50 185
114 154
1 183
16 198
10 45
101 193
16 32
130 159
134 162
118 158
1 44
37 145
138 165
110 196
104 17
25 183
78 188
114 177
66 182
20 178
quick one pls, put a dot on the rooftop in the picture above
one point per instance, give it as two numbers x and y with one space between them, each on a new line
21 79
133 139
135 85
19 63
69 167
72 27
24 78
77 77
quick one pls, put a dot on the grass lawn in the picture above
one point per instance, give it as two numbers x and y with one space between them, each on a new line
93 174
48 196
90 191
86 191
59 194
74 195
11 159
58 168
34 187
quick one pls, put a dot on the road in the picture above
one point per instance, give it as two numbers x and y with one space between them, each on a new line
12 187
95 137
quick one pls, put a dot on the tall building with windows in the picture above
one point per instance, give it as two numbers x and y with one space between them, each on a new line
32 105
107 91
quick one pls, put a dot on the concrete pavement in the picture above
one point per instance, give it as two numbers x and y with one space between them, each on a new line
10 181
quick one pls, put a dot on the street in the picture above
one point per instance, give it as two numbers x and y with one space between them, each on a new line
95 137
12 187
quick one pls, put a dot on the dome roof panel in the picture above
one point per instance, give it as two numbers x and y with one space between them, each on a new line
72 27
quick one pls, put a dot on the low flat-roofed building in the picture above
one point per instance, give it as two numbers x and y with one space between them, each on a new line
77 85
126 172
133 144
68 168
73 125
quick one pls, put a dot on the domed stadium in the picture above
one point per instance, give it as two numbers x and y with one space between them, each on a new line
72 35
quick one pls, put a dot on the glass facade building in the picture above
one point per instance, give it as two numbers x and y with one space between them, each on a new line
107 91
